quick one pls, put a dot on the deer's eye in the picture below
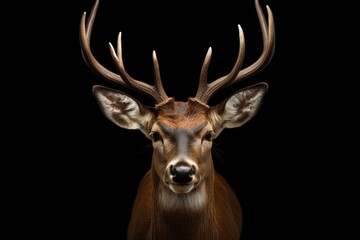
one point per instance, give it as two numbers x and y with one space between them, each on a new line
208 136
155 136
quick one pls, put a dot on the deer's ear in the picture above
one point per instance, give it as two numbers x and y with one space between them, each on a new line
239 108
123 110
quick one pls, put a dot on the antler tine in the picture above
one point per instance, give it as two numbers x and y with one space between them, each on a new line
206 91
268 35
156 91
85 36
158 83
123 78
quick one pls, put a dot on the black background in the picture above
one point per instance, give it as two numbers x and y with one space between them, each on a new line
259 159
80 172
253 158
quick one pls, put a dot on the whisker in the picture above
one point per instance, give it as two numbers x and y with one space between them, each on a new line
218 153
145 149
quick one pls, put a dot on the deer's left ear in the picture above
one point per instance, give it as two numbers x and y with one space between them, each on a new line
239 108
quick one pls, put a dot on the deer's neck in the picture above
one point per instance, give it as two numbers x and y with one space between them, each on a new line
184 216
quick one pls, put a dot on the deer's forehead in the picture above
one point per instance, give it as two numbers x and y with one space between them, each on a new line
181 116
186 126
175 110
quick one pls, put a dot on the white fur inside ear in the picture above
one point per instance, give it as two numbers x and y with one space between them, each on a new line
119 108
242 106
243 102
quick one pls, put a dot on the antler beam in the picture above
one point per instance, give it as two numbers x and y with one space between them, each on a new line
123 78
207 90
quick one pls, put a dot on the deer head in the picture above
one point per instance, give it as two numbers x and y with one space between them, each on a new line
181 132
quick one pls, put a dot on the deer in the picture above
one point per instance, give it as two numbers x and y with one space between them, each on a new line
182 196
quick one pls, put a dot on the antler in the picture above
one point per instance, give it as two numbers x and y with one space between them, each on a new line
206 91
123 78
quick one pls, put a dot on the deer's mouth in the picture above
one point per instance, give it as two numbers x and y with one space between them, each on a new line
181 188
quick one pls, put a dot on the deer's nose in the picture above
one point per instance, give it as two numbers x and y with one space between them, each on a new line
182 174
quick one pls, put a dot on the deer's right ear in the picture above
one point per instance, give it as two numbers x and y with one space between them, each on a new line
123 110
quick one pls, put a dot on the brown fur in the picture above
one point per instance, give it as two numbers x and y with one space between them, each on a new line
221 221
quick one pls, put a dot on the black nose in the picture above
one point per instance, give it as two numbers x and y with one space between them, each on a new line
182 174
